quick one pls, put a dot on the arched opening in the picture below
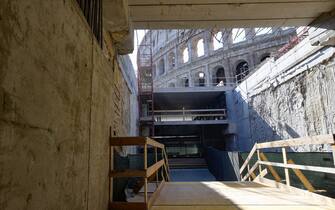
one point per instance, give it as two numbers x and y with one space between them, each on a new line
172 60
183 82
200 48
200 79
238 35
171 85
217 40
264 57
242 70
185 55
219 78
161 67
186 83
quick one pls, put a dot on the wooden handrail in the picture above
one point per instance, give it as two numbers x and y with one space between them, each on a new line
128 141
308 140
252 152
145 173
262 160
301 167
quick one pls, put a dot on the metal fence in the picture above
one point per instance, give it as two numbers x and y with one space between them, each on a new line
92 10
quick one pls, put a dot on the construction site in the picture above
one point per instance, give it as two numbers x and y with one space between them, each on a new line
167 104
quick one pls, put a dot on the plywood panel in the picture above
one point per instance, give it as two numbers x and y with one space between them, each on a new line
229 195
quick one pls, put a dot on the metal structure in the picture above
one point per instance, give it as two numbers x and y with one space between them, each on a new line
92 10
145 86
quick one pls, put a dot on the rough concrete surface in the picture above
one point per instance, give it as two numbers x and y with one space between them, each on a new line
302 106
56 107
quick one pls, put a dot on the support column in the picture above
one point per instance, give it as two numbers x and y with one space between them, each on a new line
207 76
176 54
207 41
190 79
190 51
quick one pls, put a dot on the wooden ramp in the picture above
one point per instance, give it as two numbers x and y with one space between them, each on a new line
234 195
258 192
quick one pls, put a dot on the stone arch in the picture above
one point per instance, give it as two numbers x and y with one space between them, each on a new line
161 67
218 76
264 56
185 55
200 47
183 82
200 79
241 70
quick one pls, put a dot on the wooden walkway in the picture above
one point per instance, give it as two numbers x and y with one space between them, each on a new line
234 195
158 193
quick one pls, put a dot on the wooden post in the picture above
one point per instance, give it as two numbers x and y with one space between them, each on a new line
272 170
156 158
333 147
249 178
302 178
259 159
145 168
287 176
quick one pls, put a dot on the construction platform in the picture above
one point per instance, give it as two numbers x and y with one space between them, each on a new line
234 195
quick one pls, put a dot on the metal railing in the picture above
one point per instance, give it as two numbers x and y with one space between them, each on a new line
189 115
287 164
214 82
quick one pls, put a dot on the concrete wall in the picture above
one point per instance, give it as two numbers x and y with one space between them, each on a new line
302 106
286 98
59 95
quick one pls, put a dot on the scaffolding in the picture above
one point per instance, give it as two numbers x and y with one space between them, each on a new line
145 85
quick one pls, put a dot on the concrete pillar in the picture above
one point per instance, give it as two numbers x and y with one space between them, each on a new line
190 79
207 76
251 61
207 42
250 34
166 63
176 53
228 37
190 50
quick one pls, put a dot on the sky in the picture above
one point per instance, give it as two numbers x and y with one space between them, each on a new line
138 36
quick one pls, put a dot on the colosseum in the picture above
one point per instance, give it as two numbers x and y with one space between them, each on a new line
188 95
193 58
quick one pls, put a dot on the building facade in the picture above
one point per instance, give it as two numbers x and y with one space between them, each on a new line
191 58
193 71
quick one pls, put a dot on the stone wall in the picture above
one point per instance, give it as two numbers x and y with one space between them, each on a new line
302 106
59 97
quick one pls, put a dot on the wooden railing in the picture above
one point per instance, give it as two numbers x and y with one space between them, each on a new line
146 173
287 164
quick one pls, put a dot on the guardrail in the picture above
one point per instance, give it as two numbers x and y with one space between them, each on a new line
287 164
190 115
145 173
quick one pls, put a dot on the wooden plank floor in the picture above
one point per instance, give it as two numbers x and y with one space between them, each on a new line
230 195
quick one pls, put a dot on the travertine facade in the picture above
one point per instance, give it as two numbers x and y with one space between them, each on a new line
217 54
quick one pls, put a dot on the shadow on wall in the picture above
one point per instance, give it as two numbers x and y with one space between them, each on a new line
224 165
252 127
